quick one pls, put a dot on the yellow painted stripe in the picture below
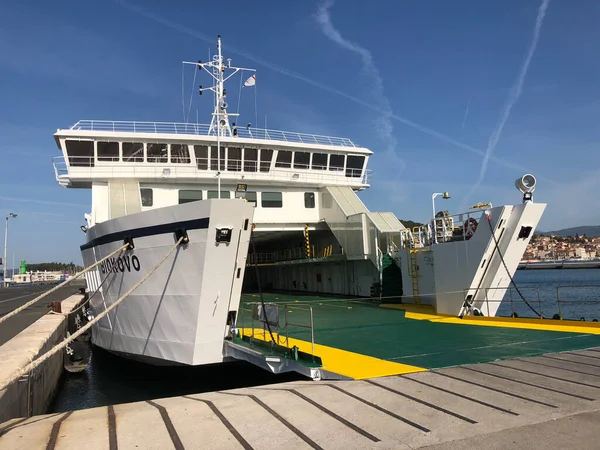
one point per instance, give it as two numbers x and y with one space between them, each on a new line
349 364
416 312
425 312
565 326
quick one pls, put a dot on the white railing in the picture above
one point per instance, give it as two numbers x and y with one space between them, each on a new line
61 171
456 227
204 130
89 168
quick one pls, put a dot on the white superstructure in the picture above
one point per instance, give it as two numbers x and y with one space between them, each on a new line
312 232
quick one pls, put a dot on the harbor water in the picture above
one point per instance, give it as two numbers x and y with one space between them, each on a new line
110 379
574 293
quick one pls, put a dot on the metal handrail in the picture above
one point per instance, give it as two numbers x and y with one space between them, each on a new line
560 301
89 167
291 254
286 325
205 129
311 327
510 289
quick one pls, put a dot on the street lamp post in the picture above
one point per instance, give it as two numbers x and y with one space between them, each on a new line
4 261
445 195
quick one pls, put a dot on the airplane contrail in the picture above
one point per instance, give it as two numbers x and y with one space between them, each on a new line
384 127
184 29
42 202
513 96
466 113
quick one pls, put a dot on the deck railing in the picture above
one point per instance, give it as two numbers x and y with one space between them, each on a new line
87 167
204 130
585 294
276 316
291 254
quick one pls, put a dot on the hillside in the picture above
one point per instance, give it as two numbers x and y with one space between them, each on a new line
588 230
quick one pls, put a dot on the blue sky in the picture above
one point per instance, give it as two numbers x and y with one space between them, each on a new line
394 76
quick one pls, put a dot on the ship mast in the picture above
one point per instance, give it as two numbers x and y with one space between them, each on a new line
219 124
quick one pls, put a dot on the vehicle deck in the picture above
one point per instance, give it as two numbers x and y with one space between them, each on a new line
360 339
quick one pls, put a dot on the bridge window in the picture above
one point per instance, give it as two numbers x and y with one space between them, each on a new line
201 152
271 199
251 197
180 154
156 153
336 162
107 151
214 161
234 159
81 153
284 159
133 152
301 160
214 194
147 196
309 199
354 166
189 195
266 156
319 161
250 159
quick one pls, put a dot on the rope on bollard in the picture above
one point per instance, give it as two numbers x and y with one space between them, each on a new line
35 363
55 288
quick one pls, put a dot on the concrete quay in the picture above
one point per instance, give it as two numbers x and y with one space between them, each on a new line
13 297
32 394
552 400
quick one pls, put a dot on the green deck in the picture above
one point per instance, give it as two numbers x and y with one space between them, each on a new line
387 334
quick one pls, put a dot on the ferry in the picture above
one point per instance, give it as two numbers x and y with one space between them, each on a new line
285 204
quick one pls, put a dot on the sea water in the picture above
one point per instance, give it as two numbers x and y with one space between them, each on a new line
572 293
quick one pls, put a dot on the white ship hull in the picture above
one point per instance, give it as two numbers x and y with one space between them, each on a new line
182 313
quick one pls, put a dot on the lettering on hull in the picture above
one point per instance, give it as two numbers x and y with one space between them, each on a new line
121 264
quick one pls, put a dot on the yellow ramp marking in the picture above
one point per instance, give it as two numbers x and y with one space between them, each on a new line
426 312
565 326
349 364
416 312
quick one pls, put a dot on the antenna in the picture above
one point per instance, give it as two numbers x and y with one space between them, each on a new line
217 68
219 124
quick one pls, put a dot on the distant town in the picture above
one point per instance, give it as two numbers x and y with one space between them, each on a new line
554 247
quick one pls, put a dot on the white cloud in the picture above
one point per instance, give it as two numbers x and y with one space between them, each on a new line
513 98
42 202
382 124
179 27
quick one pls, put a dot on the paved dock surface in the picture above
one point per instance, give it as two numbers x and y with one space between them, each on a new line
13 297
546 401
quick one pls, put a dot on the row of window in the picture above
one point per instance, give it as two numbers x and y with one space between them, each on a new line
81 153
267 199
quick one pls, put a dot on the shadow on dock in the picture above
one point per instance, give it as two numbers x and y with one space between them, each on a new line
110 380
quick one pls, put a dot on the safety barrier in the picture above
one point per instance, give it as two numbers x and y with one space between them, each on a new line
290 254
279 323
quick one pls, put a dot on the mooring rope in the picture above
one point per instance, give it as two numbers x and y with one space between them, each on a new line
64 283
88 300
33 364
